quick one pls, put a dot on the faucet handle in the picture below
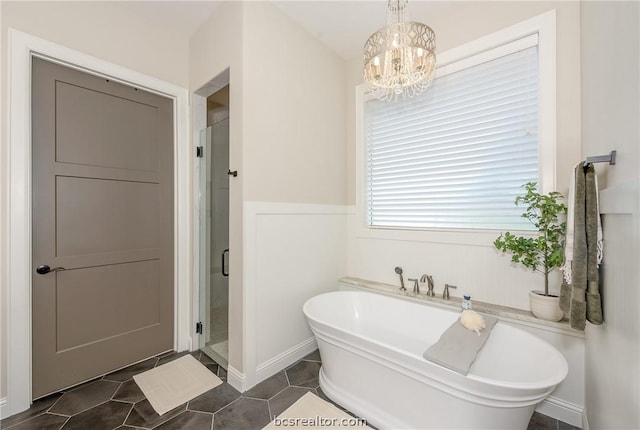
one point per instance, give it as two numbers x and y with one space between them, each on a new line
416 286
445 293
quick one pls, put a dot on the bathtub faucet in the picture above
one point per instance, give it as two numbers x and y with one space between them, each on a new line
445 293
429 280
399 272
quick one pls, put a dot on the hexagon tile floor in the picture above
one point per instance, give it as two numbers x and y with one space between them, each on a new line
115 402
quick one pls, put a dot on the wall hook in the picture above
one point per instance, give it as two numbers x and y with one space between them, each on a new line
233 173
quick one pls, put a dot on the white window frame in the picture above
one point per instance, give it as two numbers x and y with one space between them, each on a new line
545 26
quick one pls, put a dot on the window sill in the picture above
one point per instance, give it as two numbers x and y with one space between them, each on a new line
507 314
444 236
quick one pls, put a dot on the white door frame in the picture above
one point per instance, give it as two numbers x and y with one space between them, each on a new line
17 247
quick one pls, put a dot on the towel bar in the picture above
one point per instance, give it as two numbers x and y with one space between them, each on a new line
610 158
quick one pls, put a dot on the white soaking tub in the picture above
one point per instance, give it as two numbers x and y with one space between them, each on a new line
371 348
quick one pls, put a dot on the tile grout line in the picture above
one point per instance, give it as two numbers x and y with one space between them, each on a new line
134 426
26 419
253 398
278 393
227 405
65 423
36 416
198 412
269 409
116 391
170 419
84 410
58 415
54 403
127 417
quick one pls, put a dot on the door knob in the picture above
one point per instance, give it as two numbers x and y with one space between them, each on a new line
44 269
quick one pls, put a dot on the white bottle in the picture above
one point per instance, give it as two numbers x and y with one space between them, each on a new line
466 302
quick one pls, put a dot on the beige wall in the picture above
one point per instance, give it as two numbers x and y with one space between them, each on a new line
610 112
295 121
103 30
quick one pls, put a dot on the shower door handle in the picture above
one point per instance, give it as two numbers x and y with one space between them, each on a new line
224 260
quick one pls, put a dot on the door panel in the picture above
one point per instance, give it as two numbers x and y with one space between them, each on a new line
91 308
95 216
103 210
100 129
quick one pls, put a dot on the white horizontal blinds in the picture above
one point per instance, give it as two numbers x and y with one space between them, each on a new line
457 155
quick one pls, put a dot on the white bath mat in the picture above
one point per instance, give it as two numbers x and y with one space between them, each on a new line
311 412
176 382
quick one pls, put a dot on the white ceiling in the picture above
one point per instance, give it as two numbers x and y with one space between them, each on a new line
343 25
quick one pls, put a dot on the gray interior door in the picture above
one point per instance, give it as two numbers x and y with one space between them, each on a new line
103 211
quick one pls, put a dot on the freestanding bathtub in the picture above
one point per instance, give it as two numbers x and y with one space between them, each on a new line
371 348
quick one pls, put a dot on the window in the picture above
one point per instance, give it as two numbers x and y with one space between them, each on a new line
455 157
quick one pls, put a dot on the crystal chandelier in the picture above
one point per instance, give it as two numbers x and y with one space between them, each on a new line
400 58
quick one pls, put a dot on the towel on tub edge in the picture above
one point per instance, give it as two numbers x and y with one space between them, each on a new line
457 347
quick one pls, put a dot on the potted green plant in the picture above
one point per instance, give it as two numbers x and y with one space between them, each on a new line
542 253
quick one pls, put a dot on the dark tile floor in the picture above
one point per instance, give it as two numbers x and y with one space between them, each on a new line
115 402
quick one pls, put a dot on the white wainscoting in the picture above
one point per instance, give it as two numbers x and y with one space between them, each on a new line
612 353
4 411
292 253
468 260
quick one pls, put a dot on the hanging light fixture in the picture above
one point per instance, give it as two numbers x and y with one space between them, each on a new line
400 58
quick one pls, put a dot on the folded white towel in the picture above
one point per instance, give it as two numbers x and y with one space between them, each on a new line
599 236
569 236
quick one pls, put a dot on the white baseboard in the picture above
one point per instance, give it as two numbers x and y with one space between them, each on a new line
240 382
4 410
285 359
562 410
236 379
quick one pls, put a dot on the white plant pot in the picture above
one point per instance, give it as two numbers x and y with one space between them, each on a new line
545 307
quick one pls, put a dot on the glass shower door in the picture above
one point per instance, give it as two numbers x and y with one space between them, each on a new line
214 241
